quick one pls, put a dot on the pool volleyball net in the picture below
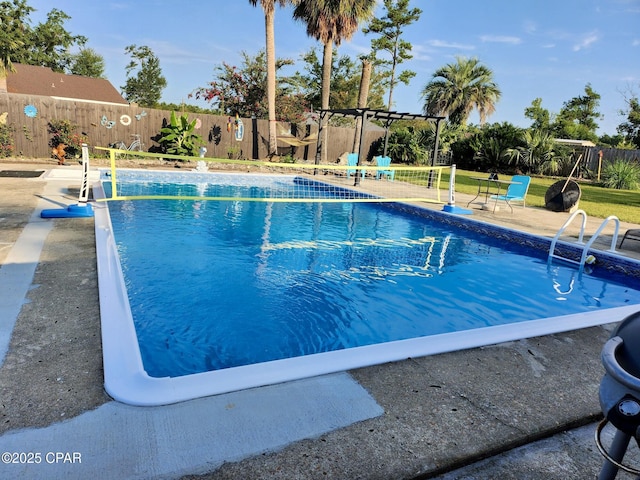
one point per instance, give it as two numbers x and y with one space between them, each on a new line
245 180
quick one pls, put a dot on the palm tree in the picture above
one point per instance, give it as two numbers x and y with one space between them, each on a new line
330 22
458 88
269 7
539 154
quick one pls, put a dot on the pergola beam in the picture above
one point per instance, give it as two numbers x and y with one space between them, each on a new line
383 115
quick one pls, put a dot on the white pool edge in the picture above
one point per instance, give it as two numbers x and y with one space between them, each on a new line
126 380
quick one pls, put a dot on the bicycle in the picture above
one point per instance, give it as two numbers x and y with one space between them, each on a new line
136 145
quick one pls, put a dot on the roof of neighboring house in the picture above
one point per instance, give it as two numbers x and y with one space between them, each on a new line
34 80
575 143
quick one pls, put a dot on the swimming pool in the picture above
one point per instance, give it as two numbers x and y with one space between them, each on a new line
356 279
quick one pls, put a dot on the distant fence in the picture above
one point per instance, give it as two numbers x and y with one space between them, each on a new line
609 155
108 123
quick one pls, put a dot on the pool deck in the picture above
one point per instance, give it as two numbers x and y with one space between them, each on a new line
518 410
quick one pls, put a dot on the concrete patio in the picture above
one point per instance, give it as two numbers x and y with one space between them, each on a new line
518 410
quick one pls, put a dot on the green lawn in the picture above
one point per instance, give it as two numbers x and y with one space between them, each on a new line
595 201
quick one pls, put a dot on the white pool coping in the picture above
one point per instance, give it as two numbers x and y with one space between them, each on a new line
127 381
16 275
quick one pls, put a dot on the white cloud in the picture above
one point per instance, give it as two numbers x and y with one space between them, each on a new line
530 27
358 48
586 41
443 44
549 45
636 43
501 39
420 53
119 6
172 53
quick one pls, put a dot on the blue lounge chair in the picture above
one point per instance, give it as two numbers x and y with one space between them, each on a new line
384 162
516 192
352 161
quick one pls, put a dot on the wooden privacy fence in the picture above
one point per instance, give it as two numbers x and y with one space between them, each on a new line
609 155
106 123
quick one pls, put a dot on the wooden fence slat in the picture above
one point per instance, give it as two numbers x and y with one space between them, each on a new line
108 123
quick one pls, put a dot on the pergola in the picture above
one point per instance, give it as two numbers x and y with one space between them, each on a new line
366 114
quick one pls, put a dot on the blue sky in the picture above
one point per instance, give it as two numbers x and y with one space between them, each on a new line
536 48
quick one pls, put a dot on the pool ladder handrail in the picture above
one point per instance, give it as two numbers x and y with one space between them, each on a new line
587 246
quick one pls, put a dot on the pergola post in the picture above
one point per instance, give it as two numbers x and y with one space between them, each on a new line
361 144
387 117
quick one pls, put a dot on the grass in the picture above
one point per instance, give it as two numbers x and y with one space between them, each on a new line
595 201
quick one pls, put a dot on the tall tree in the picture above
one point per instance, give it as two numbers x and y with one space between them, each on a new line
540 116
390 28
50 43
244 90
88 63
14 30
577 117
458 88
269 7
631 127
330 22
345 78
145 88
363 96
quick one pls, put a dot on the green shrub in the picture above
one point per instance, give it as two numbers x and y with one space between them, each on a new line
234 152
621 175
178 137
64 132
288 158
7 145
405 146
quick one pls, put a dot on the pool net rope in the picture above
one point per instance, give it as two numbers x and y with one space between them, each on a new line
277 182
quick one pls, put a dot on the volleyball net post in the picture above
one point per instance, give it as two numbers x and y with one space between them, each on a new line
451 207
83 207
308 182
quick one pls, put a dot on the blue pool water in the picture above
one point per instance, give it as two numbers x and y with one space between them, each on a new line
219 284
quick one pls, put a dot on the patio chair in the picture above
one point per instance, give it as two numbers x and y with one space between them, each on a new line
352 161
384 162
631 234
517 191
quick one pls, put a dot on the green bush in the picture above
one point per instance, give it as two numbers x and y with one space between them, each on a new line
64 132
405 145
178 137
621 175
7 146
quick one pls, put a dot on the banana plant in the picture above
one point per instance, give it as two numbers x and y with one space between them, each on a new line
178 137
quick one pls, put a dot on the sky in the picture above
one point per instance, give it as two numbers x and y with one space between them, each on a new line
548 49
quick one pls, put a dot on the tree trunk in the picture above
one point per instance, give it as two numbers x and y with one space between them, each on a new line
327 60
363 96
392 82
271 80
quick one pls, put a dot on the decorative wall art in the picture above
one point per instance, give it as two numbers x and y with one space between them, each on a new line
30 111
105 122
